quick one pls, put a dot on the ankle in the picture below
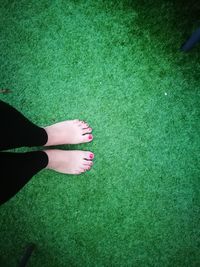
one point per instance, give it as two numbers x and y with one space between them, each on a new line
51 158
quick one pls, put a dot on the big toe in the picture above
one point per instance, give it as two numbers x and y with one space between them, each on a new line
87 138
88 155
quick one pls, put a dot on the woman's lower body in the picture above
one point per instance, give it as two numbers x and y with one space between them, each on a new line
18 168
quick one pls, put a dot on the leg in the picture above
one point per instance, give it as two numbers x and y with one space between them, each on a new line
17 131
17 169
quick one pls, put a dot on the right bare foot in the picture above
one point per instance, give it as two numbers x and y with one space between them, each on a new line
69 162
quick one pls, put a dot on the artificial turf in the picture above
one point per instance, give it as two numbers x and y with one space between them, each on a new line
117 65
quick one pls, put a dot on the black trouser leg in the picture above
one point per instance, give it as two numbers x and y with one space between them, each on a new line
17 131
16 169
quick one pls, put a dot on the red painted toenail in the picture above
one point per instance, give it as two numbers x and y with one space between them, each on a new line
91 156
90 137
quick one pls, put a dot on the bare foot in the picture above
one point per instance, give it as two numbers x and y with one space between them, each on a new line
68 132
69 162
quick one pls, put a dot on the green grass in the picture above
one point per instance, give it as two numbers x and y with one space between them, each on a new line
117 65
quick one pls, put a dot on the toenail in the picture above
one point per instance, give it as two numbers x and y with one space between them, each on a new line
90 137
91 156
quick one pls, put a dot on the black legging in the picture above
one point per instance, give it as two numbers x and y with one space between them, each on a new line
16 169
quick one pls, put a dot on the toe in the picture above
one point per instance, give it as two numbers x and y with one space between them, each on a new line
87 163
87 138
84 124
80 123
88 155
86 131
86 168
83 170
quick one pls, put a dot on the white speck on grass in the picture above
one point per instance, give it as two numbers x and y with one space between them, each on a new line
165 93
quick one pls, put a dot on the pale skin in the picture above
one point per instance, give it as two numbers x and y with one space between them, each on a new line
69 132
